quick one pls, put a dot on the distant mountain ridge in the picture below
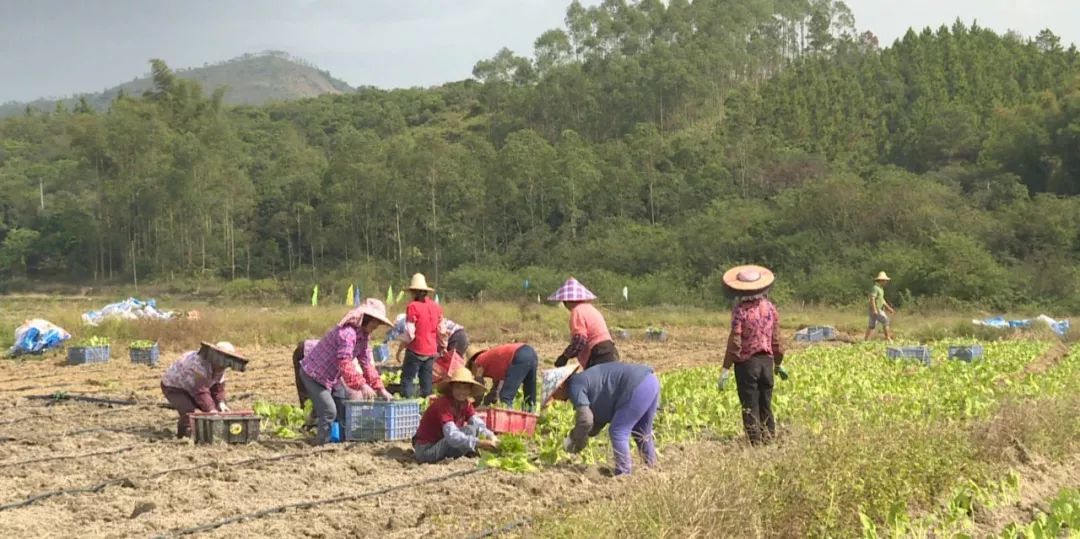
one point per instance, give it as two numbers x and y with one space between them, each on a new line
252 79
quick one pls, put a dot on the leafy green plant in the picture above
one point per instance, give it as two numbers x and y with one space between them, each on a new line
513 456
283 420
142 344
92 342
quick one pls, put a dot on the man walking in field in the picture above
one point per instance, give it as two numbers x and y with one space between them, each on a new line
879 307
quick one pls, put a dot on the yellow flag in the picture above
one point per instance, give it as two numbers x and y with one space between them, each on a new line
390 295
349 297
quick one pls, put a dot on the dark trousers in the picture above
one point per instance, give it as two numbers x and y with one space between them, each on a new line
184 405
754 378
458 342
603 352
297 356
416 366
522 371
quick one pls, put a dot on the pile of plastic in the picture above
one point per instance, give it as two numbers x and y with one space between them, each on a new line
1060 327
129 309
36 336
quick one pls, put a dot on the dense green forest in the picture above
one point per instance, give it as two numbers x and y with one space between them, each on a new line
643 145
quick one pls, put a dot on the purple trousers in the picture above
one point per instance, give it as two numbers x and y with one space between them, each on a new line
635 419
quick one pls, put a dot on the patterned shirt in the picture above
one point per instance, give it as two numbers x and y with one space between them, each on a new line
333 357
755 329
195 376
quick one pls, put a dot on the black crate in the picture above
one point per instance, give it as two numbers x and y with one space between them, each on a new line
228 427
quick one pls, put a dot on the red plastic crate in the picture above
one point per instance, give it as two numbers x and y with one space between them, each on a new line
503 421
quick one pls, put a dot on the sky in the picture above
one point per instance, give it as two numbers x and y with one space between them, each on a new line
55 48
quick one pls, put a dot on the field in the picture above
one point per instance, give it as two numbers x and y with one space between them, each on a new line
870 447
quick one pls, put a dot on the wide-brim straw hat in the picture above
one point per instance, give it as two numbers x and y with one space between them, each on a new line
881 276
370 307
572 290
462 376
749 278
222 354
419 282
552 379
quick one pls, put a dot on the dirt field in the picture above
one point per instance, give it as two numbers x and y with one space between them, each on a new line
137 480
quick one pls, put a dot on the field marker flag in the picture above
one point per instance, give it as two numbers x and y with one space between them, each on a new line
625 294
349 296
436 298
526 284
390 295
315 296
356 296
400 296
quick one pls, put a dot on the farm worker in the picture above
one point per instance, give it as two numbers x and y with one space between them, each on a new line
753 348
362 362
623 394
194 383
510 367
450 427
451 335
590 340
423 316
879 307
333 358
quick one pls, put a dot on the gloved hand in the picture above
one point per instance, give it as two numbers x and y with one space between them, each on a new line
222 407
724 375
569 446
367 393
782 373
561 360
385 395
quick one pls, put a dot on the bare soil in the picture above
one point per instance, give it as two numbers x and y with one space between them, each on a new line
136 480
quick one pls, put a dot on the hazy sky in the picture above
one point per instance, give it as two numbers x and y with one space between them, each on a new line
59 47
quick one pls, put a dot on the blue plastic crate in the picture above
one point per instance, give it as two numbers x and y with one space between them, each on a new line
145 356
816 334
966 353
919 353
81 355
377 421
380 353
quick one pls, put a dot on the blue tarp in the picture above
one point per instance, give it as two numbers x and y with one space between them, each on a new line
1060 327
36 336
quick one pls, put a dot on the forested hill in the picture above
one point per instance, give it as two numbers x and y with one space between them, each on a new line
643 145
251 79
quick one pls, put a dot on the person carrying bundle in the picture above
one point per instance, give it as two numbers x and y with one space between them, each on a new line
590 340
450 427
754 349
422 320
332 359
510 367
195 383
626 395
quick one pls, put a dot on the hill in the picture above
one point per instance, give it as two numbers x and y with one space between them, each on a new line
251 79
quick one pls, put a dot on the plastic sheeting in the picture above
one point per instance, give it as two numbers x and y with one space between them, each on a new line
129 309
37 335
1060 327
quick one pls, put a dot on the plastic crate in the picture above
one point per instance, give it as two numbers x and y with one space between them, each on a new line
919 353
377 421
145 356
233 427
658 335
503 421
815 334
621 334
966 353
81 355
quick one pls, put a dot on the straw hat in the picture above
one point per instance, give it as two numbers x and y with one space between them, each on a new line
370 307
463 376
748 278
419 282
226 346
881 276
572 290
552 379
